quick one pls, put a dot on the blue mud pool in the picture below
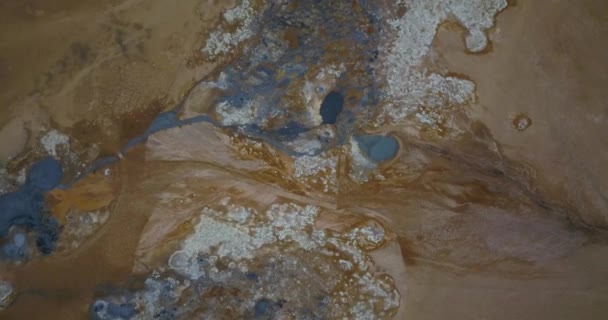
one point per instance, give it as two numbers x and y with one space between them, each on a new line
26 208
378 148
331 107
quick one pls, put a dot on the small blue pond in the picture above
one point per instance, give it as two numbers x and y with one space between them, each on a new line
378 148
331 107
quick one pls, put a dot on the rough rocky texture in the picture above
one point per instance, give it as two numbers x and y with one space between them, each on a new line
304 159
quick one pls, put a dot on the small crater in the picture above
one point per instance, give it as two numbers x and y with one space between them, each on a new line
522 122
378 148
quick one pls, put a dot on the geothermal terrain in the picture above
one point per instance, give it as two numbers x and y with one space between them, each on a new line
303 159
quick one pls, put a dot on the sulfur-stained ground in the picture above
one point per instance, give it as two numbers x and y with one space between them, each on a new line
304 159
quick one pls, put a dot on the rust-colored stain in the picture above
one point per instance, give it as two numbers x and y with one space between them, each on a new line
95 191
487 217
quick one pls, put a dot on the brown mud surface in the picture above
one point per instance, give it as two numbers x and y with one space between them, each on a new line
507 221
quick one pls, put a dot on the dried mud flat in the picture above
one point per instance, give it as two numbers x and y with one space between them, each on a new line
303 159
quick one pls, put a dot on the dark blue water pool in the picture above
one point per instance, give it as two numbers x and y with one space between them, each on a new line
331 107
